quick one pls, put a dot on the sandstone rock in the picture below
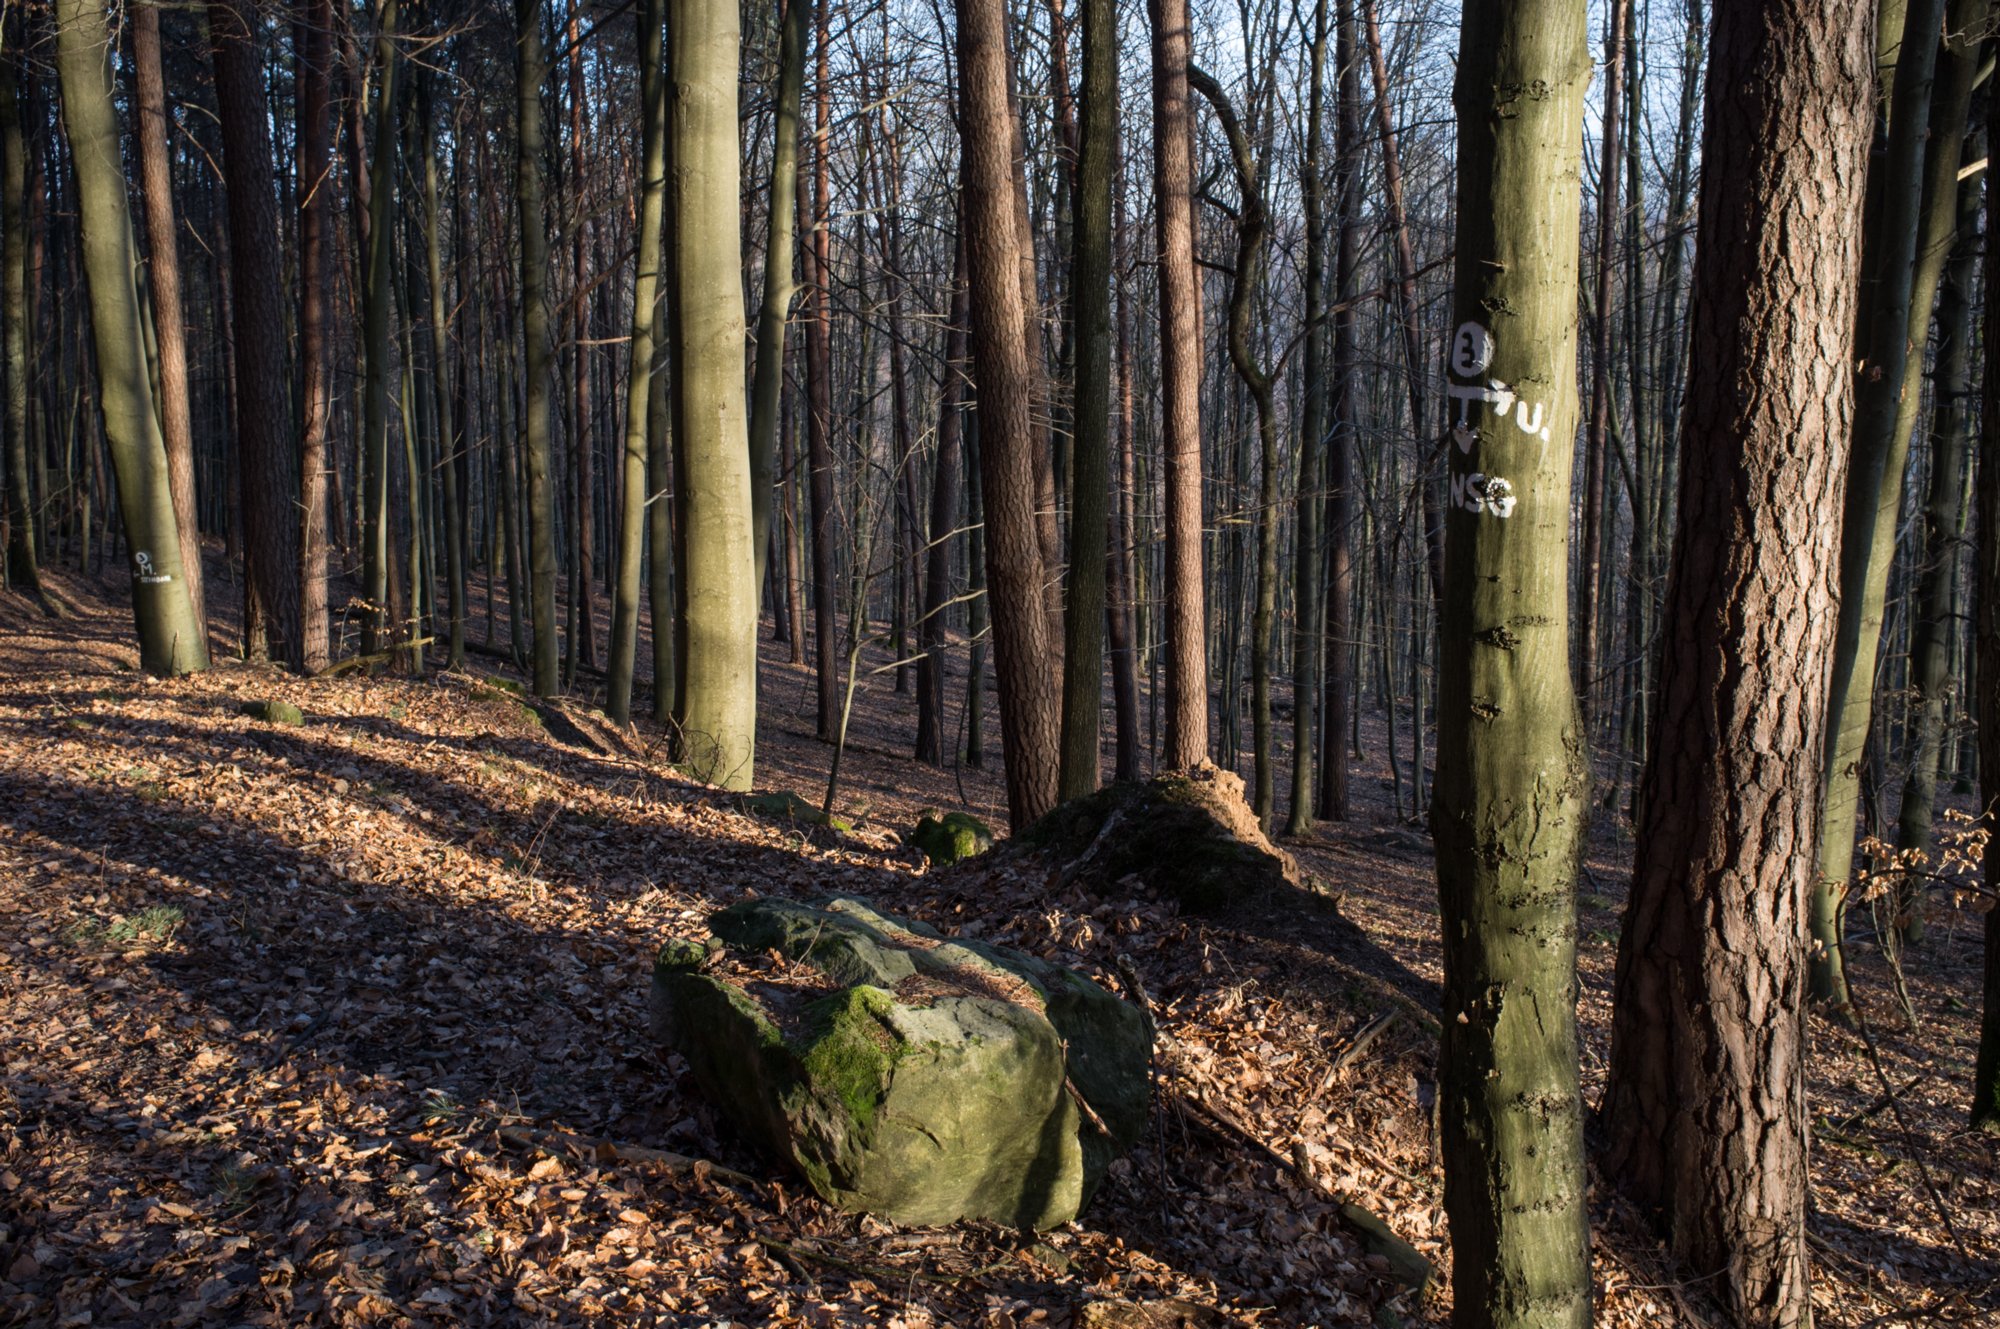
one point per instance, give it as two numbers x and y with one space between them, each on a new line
905 1074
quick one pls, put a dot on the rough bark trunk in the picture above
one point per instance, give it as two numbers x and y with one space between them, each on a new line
1180 388
1345 412
23 567
263 407
1705 1109
1008 438
538 354
314 78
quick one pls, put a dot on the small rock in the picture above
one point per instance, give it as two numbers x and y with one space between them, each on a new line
273 712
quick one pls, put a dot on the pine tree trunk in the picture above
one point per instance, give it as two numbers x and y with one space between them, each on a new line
639 377
164 277
718 586
263 409
1008 438
1180 388
1510 769
1090 297
170 636
313 39
1705 1108
539 354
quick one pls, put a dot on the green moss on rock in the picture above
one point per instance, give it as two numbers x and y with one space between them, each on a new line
951 837
953 1102
273 712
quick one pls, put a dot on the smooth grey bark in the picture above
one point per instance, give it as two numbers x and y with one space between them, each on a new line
639 378
170 636
1508 801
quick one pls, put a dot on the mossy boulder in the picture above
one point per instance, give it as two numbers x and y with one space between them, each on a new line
1188 835
273 712
951 837
902 1073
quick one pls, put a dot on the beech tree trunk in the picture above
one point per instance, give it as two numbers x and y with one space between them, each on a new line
1705 1109
1090 297
639 375
170 636
768 379
1508 801
376 299
1897 287
718 586
163 277
946 473
1936 606
819 391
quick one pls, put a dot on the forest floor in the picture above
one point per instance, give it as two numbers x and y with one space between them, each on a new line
345 1023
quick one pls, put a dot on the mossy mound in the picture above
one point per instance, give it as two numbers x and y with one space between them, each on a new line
902 1073
1189 836
273 712
951 837
784 805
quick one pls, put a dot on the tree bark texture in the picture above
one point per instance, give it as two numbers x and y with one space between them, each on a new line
315 147
718 586
263 403
1090 301
170 635
1180 388
639 373
539 352
1705 1109
163 272
1507 809
1008 438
